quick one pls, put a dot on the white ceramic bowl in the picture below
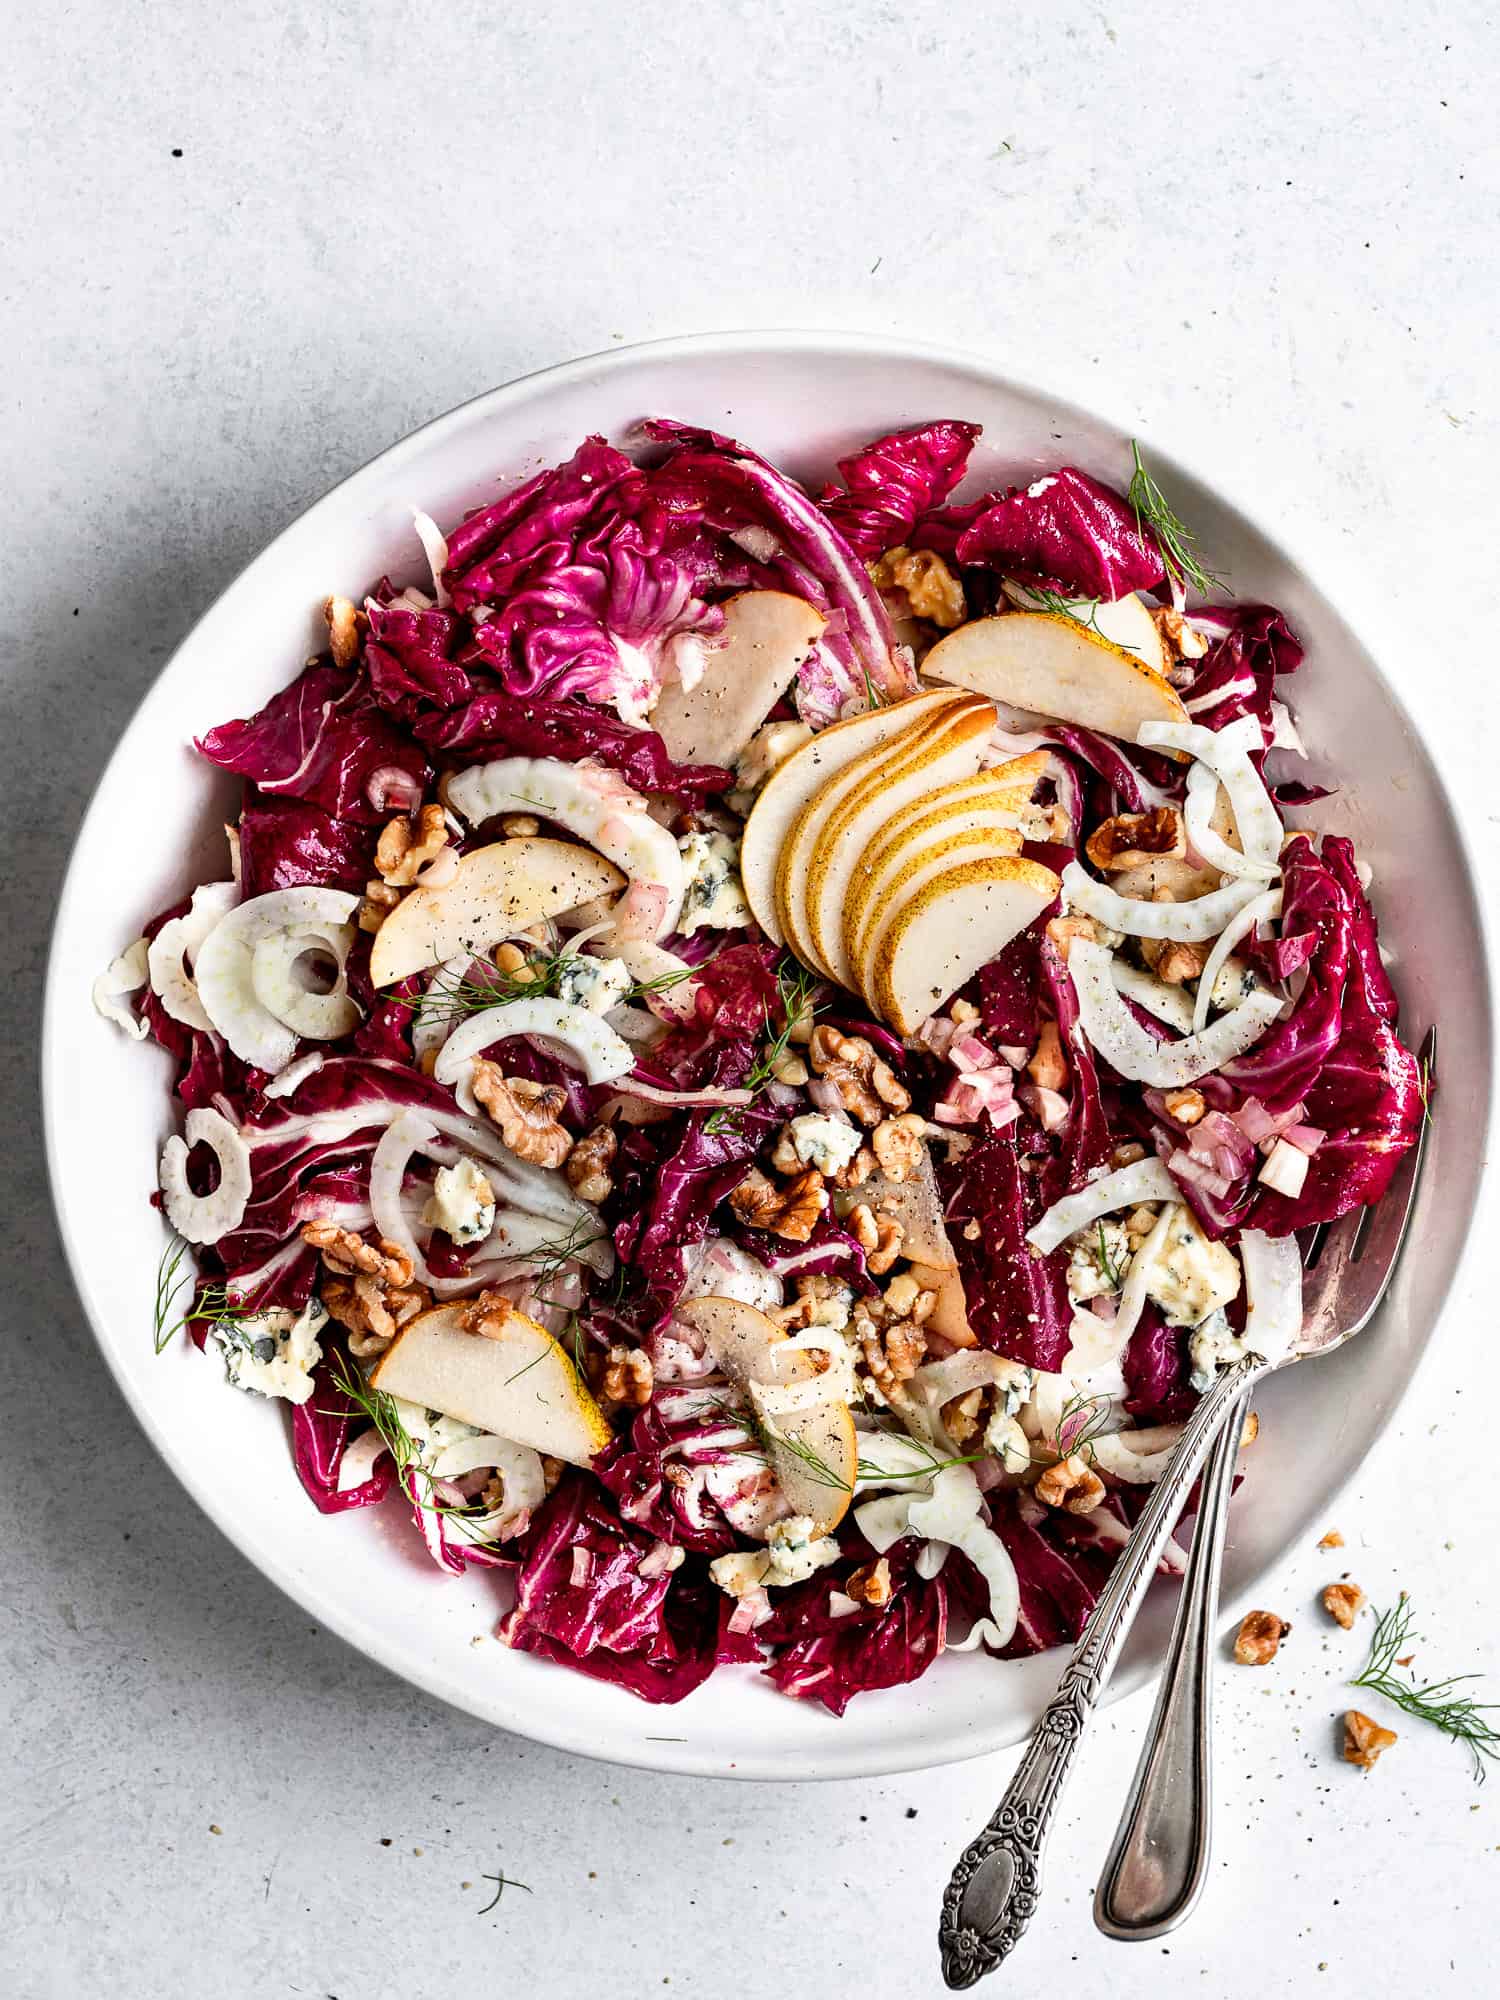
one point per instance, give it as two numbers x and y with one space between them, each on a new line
802 399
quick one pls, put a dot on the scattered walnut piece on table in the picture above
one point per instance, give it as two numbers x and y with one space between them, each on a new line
1343 1602
790 1210
1332 1540
867 1086
1259 1637
1365 1740
1129 839
1251 1431
527 1113
1071 1484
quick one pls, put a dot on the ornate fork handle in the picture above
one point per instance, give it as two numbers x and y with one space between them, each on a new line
993 1891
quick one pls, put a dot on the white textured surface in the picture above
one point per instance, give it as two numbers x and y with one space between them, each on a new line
1278 252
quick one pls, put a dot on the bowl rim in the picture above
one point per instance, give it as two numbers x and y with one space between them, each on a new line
552 1727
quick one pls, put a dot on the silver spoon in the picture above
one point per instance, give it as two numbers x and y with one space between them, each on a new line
993 1892
1159 1860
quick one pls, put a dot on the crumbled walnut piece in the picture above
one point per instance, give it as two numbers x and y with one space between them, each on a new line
932 590
867 1085
625 1379
519 826
854 1173
1251 1431
870 1583
526 1113
972 1230
1260 1634
1365 1741
1138 1225
879 1236
1063 930
489 1315
379 900
1179 642
1127 1153
1332 1540
898 1145
790 1069
1048 1067
1129 839
369 1290
1174 964
510 959
1343 1602
799 1027
588 1167
892 1350
1186 1106
552 1471
409 843
784 1155
906 1299
961 1417
345 625
1071 1484
347 1253
963 1013
790 1210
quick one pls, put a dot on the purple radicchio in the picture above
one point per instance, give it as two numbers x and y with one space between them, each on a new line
1067 531
1017 1301
495 724
324 739
894 481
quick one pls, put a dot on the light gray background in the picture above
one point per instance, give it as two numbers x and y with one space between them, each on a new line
1267 236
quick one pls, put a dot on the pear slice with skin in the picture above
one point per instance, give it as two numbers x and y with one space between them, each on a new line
793 783
993 798
975 842
816 1466
823 867
1053 666
799 845
767 635
950 927
498 890
516 1384
1126 622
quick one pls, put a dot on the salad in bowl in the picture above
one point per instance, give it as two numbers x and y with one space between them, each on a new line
756 1048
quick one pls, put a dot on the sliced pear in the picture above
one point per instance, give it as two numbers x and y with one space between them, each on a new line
952 750
1127 622
793 783
914 870
767 635
497 891
949 928
950 1316
816 1467
1004 791
917 1205
1054 666
518 1384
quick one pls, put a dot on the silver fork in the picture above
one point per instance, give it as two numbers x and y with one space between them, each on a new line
1158 1862
993 1892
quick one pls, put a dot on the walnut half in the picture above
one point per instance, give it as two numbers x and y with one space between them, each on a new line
526 1113
790 1210
1131 838
1259 1637
868 1087
1365 1741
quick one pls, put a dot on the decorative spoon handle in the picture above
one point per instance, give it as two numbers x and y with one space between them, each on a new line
1159 1861
994 1889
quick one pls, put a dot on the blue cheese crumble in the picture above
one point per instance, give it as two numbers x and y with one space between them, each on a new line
273 1353
1213 1346
462 1203
1098 1258
713 898
792 1554
594 984
1192 1276
828 1144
